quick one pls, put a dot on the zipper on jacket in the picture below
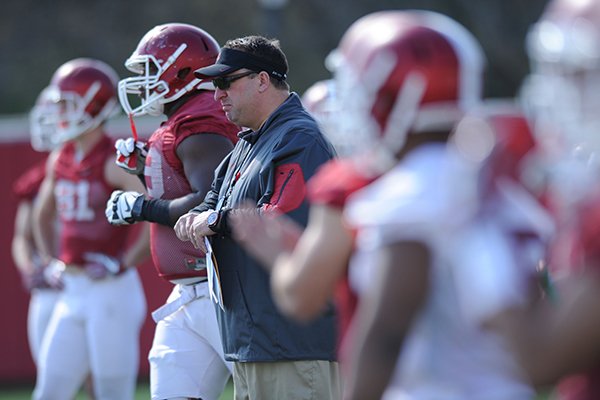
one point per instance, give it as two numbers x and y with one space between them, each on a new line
285 184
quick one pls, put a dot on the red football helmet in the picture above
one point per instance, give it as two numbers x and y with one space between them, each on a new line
563 91
41 122
165 61
401 71
319 100
317 96
498 137
86 92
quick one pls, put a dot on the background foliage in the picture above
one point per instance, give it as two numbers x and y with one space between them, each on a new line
37 36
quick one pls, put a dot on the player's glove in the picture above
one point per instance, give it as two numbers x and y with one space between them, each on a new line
53 273
124 208
131 155
99 266
34 279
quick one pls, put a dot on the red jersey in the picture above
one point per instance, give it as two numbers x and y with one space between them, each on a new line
27 186
165 179
81 192
578 246
333 183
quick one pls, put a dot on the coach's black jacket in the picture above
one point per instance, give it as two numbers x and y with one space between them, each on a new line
269 166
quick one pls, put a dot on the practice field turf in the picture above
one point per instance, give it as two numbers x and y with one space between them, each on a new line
142 393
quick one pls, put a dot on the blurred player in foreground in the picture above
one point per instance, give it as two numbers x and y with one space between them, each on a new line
437 196
562 95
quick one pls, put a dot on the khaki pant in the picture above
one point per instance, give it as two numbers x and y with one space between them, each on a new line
287 380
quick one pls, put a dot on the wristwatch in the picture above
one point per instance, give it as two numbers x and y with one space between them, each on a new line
213 220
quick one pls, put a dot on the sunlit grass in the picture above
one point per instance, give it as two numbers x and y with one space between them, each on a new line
142 393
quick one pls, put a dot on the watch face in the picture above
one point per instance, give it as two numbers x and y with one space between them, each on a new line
212 218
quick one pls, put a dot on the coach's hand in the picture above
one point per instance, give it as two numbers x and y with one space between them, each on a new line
193 227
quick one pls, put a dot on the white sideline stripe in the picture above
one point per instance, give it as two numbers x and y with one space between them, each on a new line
15 128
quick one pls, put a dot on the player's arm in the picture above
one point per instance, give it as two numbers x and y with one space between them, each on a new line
384 317
44 214
554 339
304 280
305 264
23 242
117 177
139 250
200 155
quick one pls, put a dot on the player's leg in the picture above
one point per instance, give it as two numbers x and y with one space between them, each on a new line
186 359
63 358
40 310
116 312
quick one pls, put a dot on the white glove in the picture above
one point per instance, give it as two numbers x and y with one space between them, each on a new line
53 273
99 266
124 208
131 155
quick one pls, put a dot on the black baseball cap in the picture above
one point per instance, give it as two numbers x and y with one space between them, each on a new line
231 60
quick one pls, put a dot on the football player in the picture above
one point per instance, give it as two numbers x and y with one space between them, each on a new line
562 95
422 226
96 322
43 291
177 164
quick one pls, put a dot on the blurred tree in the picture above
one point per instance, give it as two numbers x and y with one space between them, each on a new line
36 36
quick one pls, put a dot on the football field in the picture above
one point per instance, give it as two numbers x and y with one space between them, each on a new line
142 393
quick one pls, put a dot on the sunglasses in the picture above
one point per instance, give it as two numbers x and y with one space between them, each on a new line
224 82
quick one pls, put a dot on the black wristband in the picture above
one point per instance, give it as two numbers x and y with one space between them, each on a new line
156 210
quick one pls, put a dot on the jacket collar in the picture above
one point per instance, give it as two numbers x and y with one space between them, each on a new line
292 102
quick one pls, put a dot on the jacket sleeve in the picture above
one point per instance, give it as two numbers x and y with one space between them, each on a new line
294 161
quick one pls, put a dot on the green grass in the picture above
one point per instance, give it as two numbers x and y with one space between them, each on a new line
142 393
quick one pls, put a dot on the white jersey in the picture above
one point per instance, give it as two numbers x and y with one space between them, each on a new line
432 197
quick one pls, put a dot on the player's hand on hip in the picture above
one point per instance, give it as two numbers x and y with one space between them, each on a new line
124 208
34 279
53 273
99 266
131 155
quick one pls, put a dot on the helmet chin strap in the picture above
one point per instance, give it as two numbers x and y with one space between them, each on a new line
133 128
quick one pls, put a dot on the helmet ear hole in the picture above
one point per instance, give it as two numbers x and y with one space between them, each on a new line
182 73
94 108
